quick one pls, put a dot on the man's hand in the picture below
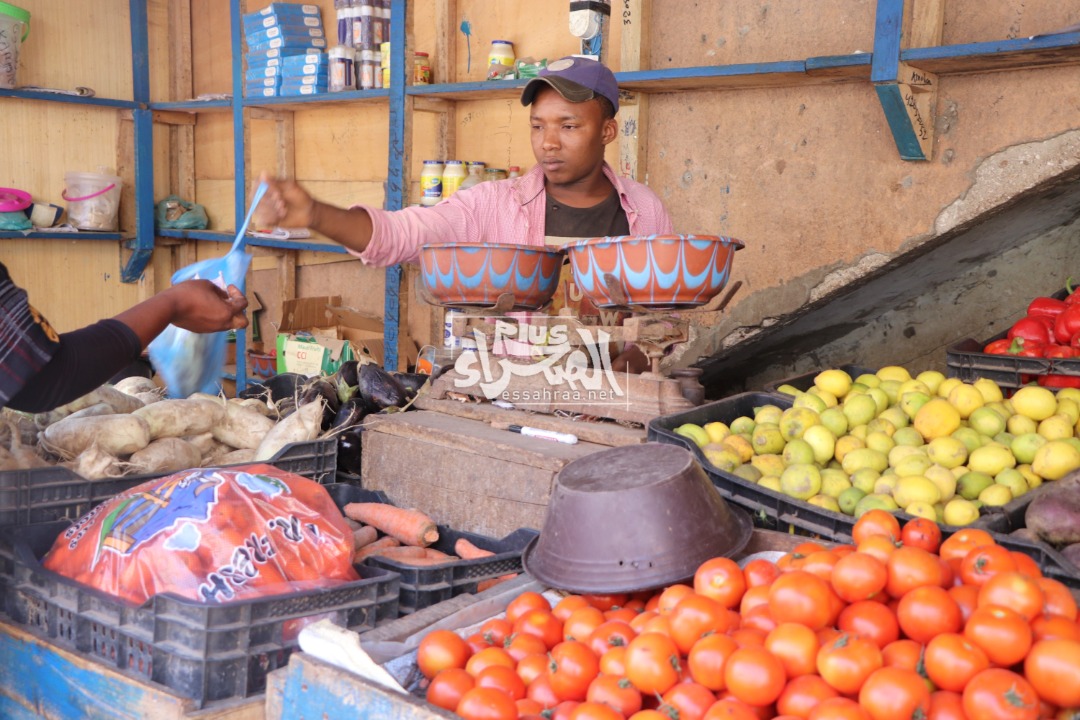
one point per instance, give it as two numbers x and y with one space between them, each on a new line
201 306
285 204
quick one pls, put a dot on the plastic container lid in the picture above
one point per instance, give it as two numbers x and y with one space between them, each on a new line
501 42
12 200
420 54
19 14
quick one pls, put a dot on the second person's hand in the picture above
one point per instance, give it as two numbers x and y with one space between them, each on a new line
285 204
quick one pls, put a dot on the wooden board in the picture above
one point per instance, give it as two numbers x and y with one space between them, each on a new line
40 680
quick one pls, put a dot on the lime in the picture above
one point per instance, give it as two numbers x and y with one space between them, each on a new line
849 499
834 419
1014 480
972 483
742 425
859 409
864 479
875 502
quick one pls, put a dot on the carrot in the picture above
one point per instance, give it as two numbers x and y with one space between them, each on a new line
399 552
411 527
437 554
467 551
485 584
353 525
364 535
373 548
421 562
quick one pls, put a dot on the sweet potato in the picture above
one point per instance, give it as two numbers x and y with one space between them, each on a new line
165 455
176 418
242 428
116 434
120 402
302 426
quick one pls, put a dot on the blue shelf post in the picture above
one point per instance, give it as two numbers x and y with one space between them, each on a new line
395 177
143 245
907 95
239 166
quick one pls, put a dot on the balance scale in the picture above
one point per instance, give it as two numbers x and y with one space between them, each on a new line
558 379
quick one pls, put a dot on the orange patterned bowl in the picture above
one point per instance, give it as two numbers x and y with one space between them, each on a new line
653 271
476 274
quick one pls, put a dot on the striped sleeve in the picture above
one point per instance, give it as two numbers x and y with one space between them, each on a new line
27 341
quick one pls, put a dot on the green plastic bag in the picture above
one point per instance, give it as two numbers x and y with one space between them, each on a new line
175 213
15 221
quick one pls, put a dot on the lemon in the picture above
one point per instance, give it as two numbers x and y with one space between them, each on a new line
830 399
858 431
722 457
694 433
823 442
960 512
989 390
923 510
849 500
908 436
742 425
795 420
874 501
880 425
915 488
766 439
913 465
859 409
1020 425
798 452
868 380
1055 460
845 444
879 441
931 379
947 386
771 482
717 431
1014 480
742 447
937 418
1034 402
808 400
825 502
834 482
768 464
944 479
972 483
959 471
971 438
894 372
901 452
862 458
896 416
991 459
747 472
789 390
768 414
986 421
947 451
1056 427
966 399
914 386
881 398
910 402
1033 480
834 419
1069 393
801 481
1000 409
1069 408
996 496
864 479
836 382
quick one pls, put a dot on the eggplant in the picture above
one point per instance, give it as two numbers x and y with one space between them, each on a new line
322 388
349 446
348 372
350 414
380 389
279 387
412 382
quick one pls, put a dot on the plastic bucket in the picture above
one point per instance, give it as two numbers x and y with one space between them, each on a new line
14 27
93 200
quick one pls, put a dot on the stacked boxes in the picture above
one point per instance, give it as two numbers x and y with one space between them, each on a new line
286 51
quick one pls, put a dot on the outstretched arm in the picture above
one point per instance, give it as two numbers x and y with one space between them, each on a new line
286 204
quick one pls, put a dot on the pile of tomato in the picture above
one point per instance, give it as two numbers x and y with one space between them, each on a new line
900 625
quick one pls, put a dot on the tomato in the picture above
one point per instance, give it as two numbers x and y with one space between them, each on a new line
928 611
542 624
984 562
729 709
618 692
870 620
796 646
961 542
879 546
906 654
806 549
1013 590
607 602
448 687
486 658
966 597
707 659
922 533
840 708
658 624
573 667
477 642
624 614
755 676
613 662
858 576
595 711
527 707
876 522
842 550
1001 695
502 678
486 704
720 579
895 694
1001 633
946 705
951 660
581 623
568 605
820 563
690 700
748 637
522 644
670 597
642 619
803 694
539 690
909 568
759 618
694 617
760 572
564 710
525 602
1054 627
439 650
846 662
1053 669
1057 599
496 630
531 667
1026 564
611 633
798 596
652 663
753 597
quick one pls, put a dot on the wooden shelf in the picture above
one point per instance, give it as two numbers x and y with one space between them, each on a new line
1040 51
483 90
194 106
53 235
214 235
312 245
306 102
73 99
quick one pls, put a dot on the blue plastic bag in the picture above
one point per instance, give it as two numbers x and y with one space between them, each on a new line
193 362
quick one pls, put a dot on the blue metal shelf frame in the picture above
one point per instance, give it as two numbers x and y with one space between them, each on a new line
73 99
143 245
236 9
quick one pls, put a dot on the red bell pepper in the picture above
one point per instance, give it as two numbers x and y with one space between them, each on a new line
1067 324
1004 346
1032 329
1059 351
1074 295
1046 307
1030 348
1075 343
1059 381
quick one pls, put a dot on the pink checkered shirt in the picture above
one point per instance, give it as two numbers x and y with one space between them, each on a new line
505 211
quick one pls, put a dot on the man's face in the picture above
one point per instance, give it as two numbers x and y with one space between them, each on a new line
568 138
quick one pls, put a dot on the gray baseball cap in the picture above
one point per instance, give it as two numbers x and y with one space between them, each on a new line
577 80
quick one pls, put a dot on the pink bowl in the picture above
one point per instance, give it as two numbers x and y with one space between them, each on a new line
476 274
653 271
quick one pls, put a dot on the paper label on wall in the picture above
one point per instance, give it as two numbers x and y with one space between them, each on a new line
304 357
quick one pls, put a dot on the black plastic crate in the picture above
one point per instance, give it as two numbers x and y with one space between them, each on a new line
770 509
422 587
806 381
54 493
204 651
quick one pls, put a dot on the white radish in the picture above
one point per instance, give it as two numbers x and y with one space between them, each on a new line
242 428
120 402
204 441
254 404
165 455
236 457
303 425
93 463
94 410
136 384
176 418
116 434
150 397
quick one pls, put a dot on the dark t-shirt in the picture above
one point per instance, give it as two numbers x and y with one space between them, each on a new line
603 220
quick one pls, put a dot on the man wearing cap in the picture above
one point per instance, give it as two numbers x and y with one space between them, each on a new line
571 192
